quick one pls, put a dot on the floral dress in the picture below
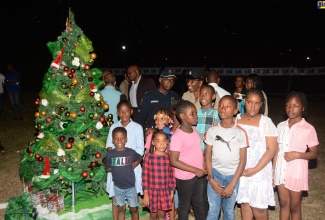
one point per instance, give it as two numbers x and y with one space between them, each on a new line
257 190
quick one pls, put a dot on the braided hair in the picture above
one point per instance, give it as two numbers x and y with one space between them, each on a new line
255 91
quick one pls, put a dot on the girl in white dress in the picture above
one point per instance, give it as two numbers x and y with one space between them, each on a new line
255 191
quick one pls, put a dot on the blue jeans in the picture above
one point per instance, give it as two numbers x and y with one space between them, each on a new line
215 200
130 195
14 97
192 191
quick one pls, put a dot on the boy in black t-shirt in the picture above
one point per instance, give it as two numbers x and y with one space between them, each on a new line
119 162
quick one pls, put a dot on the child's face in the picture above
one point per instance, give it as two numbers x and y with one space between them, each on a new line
161 120
124 112
119 140
249 84
253 104
294 108
227 108
239 82
160 142
206 96
189 116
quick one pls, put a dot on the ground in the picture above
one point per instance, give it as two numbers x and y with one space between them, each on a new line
16 135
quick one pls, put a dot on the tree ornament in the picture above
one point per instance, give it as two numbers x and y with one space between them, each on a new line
37 156
56 63
87 67
37 114
43 113
64 159
90 79
93 56
70 75
104 160
110 123
84 174
40 159
75 81
68 145
65 125
31 154
82 109
66 69
48 119
102 118
72 70
92 94
99 104
67 114
83 157
69 95
73 115
81 87
82 136
69 169
104 123
93 164
37 102
98 155
65 73
91 174
54 113
71 140
58 116
72 54
64 85
91 115
46 171
105 106
51 129
110 116
62 109
91 139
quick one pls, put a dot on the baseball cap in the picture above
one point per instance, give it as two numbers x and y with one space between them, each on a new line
195 74
167 73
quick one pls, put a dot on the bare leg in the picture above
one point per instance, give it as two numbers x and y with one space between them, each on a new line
161 215
172 212
260 214
295 205
121 212
284 202
134 213
246 211
114 209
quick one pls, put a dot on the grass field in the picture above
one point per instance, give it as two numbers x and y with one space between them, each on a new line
16 135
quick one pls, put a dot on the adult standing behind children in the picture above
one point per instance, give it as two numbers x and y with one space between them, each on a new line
213 78
119 162
110 95
194 81
125 85
240 92
137 88
13 88
161 97
135 142
254 81
2 81
255 191
225 159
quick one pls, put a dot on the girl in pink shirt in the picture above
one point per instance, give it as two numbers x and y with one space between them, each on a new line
291 161
187 158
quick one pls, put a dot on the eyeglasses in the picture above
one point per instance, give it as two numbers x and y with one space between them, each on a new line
192 80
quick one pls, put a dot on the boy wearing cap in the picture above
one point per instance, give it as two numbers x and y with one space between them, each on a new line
194 81
161 97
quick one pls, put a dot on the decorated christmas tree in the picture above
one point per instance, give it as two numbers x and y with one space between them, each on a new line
71 129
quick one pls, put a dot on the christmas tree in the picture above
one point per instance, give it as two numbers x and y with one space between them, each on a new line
71 128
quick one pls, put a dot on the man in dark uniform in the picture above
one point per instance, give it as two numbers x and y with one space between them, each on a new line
153 100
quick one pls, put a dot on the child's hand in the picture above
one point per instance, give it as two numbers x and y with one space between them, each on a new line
289 156
227 192
145 202
249 172
216 186
199 173
135 164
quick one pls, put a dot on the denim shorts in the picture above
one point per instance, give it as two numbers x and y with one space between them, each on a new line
130 195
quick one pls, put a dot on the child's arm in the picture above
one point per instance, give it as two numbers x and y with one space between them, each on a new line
271 148
217 187
109 169
145 180
240 168
311 154
145 198
137 160
275 158
174 161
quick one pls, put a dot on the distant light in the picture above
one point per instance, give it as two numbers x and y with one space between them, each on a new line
233 32
308 58
289 50
166 58
166 26
123 47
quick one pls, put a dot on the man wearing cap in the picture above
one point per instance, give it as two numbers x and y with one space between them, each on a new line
194 81
137 88
161 97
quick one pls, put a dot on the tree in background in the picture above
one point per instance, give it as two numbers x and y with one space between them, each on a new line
71 128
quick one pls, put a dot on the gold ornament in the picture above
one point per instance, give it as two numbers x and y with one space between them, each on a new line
43 113
93 56
37 114
99 104
75 81
91 139
81 87
105 106
73 115
53 112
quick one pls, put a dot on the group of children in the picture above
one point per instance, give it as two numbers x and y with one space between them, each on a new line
209 160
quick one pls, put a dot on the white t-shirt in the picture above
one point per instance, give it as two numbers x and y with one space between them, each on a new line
226 144
221 92
133 93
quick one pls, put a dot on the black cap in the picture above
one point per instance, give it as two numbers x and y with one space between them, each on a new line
195 74
167 73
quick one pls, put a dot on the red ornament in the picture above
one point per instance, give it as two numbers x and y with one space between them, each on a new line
68 145
90 79
102 119
82 109
91 93
98 155
31 154
93 164
84 174
70 75
40 159
72 70
62 139
66 69
37 102
37 156
48 119
104 123
30 188
54 198
92 86
71 139
87 67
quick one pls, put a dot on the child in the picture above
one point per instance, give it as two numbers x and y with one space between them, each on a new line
161 120
207 116
254 81
291 161
158 180
186 156
225 159
255 192
135 142
240 92
119 162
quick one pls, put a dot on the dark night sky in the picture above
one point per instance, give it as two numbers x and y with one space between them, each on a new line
202 33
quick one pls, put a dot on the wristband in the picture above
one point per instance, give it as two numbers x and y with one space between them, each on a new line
208 177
